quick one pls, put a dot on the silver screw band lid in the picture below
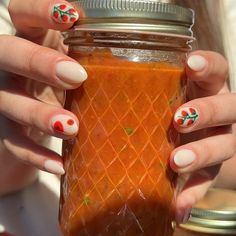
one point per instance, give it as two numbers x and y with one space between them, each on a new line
215 214
138 15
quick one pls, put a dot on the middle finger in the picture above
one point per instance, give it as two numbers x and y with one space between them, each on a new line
203 153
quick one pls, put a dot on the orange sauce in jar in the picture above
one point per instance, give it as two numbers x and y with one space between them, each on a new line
117 179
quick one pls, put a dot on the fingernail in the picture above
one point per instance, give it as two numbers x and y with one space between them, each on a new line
187 215
182 216
184 158
54 167
71 72
197 63
64 124
64 13
186 117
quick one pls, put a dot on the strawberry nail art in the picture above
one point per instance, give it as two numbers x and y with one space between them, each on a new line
63 13
186 117
64 124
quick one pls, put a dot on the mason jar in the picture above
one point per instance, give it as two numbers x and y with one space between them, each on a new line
118 181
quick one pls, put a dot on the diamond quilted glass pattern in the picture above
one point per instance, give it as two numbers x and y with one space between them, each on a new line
117 178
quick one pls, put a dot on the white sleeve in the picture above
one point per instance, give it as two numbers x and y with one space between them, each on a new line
6 26
229 26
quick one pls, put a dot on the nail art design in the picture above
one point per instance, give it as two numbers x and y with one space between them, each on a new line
64 124
186 117
63 13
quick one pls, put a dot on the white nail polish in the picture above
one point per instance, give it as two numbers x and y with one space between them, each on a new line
197 63
54 167
71 72
64 124
184 158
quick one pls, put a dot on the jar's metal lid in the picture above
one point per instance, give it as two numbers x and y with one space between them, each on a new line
216 213
134 15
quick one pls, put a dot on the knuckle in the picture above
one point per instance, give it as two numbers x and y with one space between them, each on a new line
219 68
202 151
34 113
212 108
225 65
39 62
207 157
32 59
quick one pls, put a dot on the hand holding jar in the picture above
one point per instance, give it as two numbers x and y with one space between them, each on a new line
40 72
208 133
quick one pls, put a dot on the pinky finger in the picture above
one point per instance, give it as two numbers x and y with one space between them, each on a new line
26 150
194 190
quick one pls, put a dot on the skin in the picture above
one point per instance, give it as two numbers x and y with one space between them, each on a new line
26 55
211 138
37 43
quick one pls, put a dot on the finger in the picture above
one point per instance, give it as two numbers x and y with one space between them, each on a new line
206 112
46 65
203 153
24 149
209 71
17 106
34 17
194 190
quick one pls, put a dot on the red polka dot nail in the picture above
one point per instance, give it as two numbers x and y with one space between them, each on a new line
64 13
186 117
64 124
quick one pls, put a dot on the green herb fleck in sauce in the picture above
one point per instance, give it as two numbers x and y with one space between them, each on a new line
129 131
86 200
162 165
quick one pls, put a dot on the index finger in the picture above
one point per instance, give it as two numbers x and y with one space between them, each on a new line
40 63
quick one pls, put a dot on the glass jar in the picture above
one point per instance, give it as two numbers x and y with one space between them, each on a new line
118 181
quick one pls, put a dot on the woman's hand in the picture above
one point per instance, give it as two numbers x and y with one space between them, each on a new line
38 73
206 122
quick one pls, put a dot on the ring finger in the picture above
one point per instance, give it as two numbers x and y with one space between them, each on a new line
203 153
